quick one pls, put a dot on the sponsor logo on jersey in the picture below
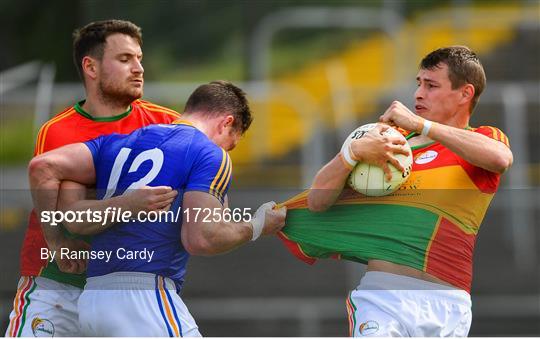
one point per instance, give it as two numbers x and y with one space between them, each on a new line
368 328
42 327
426 157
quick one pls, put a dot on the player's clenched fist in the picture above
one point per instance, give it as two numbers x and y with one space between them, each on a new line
268 220
378 148
399 115
66 265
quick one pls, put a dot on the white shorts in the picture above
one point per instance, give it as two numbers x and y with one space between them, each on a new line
44 308
134 304
390 305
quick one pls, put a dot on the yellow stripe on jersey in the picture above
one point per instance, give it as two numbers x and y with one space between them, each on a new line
44 127
176 115
224 181
182 122
502 137
435 230
505 139
493 132
152 105
219 173
157 108
498 135
228 177
43 132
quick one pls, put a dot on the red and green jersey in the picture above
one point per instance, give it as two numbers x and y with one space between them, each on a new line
71 126
429 224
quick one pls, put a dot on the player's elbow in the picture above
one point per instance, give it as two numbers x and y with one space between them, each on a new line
315 203
39 170
317 206
503 162
198 245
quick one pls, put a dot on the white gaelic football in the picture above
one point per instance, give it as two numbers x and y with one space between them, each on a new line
370 179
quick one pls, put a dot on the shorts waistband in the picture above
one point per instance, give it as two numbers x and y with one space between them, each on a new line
375 280
129 281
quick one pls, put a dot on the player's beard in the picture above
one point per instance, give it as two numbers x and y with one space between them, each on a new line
118 93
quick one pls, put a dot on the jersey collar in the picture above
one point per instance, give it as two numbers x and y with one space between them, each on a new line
182 122
81 111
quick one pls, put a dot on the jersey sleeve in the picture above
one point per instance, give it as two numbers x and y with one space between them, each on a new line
486 181
211 172
493 133
94 146
50 136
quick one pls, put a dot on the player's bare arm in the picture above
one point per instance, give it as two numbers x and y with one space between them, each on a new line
70 168
43 171
46 171
373 148
217 237
475 148
73 198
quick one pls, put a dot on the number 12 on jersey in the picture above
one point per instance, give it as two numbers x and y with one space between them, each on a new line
155 155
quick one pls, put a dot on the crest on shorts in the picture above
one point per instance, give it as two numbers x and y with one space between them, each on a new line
369 327
42 327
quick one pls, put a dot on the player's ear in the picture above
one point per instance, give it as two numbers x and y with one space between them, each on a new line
467 93
228 121
89 67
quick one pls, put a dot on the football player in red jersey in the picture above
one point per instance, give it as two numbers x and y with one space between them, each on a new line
418 252
108 57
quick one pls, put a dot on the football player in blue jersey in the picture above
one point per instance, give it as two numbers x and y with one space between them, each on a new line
136 265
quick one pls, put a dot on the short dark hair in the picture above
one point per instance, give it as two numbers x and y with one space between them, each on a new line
219 97
464 67
91 39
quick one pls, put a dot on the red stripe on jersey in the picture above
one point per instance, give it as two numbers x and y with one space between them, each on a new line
443 254
295 249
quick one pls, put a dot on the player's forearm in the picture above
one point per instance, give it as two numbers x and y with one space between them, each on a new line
44 188
95 214
216 238
328 184
475 148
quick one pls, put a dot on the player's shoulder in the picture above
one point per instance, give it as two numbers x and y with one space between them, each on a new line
205 148
61 118
152 108
55 127
492 132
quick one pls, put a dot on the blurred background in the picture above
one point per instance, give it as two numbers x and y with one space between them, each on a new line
313 71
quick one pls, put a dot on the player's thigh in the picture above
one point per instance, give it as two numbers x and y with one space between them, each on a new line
443 318
464 324
368 318
43 307
134 313
107 313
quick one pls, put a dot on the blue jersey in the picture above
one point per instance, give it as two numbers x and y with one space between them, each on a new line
177 155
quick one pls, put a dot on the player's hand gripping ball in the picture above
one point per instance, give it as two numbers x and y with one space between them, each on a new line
370 179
